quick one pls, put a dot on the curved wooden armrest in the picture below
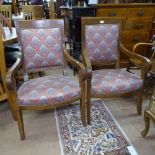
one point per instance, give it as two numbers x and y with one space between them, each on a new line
10 76
77 64
87 64
145 44
138 60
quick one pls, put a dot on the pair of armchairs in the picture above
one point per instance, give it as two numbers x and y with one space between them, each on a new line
42 49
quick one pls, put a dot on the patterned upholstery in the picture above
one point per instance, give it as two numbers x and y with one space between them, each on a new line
48 91
113 81
42 48
102 42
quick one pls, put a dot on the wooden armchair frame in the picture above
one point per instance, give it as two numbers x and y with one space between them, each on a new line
143 63
11 83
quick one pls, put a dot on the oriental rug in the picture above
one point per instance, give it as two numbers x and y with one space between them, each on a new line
103 137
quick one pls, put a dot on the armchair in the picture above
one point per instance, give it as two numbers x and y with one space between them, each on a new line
100 49
42 49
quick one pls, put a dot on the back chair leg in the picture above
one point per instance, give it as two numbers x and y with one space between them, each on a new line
139 103
88 101
147 124
20 124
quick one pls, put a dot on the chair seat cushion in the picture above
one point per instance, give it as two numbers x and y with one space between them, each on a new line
48 90
114 81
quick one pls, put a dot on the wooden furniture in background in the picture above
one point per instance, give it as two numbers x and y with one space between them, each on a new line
137 22
52 9
100 47
74 26
49 91
33 12
6 11
149 114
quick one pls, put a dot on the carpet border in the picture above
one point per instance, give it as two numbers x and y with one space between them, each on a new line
120 128
59 136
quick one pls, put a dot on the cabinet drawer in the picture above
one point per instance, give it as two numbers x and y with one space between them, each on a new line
133 37
143 24
121 12
140 12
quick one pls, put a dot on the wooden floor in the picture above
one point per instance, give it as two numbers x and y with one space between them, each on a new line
41 132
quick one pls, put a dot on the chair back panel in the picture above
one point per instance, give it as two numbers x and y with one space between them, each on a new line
34 24
6 11
41 43
100 38
51 9
33 12
102 42
42 48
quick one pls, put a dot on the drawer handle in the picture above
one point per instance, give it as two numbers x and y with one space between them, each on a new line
112 14
139 26
136 39
140 13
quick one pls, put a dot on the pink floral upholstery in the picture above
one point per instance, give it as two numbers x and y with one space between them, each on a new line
48 90
102 42
114 81
42 47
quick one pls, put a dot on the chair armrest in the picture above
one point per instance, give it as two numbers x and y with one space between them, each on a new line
145 44
87 64
138 60
76 63
10 76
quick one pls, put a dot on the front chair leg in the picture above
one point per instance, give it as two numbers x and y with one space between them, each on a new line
88 101
82 104
20 124
147 124
83 112
139 103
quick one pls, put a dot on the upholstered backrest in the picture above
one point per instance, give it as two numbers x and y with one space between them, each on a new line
101 42
100 39
42 48
41 44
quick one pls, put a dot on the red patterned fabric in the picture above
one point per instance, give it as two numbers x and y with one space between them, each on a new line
102 42
42 48
114 81
48 91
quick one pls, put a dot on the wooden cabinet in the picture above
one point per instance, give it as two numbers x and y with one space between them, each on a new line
137 21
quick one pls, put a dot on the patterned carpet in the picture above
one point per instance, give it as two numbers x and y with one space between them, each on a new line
103 137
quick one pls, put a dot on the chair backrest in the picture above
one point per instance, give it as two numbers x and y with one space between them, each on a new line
6 11
33 12
41 44
52 9
100 38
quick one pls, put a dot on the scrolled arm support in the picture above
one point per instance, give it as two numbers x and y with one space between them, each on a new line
87 64
76 63
138 60
10 76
